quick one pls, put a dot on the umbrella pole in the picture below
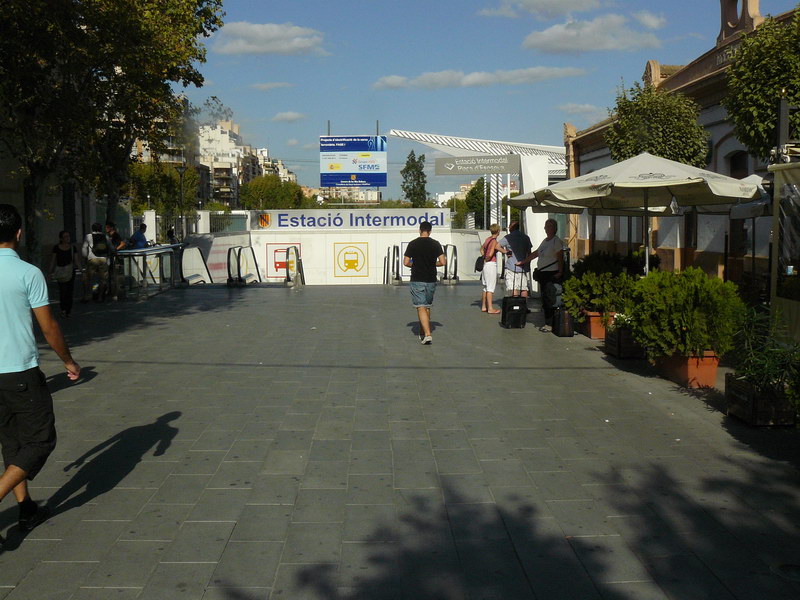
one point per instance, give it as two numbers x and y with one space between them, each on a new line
646 234
630 241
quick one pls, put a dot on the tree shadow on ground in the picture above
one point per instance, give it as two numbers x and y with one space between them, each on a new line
461 549
100 321
719 529
115 458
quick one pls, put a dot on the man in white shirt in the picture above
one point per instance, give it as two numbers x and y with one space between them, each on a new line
550 266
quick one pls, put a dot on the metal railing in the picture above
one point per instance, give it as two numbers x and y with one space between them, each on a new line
242 266
391 266
148 269
450 275
194 267
227 222
295 276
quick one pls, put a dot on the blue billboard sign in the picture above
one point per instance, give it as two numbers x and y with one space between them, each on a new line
352 161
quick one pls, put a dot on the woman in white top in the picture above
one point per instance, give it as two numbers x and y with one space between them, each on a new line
489 250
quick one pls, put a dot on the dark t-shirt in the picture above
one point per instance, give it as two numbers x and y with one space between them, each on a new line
64 257
424 251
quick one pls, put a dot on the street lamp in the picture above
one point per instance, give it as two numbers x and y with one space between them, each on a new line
181 169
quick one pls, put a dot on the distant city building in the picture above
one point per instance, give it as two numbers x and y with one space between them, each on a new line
345 195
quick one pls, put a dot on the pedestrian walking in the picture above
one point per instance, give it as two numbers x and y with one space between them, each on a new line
423 255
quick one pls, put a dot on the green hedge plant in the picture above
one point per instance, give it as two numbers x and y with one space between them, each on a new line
597 292
765 356
685 313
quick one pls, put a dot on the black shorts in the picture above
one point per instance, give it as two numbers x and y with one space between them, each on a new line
27 422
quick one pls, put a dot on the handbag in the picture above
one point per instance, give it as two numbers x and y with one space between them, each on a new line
63 273
479 263
536 274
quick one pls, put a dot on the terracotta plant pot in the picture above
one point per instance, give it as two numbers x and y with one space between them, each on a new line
592 327
690 371
620 343
745 402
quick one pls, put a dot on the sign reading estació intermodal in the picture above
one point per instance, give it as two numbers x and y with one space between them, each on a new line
372 219
478 165
352 161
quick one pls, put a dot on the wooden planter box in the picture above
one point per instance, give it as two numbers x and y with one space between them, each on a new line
620 343
745 402
592 327
690 371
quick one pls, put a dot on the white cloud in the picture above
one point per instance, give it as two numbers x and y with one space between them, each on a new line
288 117
544 9
314 146
609 32
650 20
292 142
459 79
241 37
590 112
271 85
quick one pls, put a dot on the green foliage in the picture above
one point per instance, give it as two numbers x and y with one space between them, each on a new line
81 80
602 292
684 313
268 192
414 180
764 355
765 63
474 202
615 263
648 119
158 186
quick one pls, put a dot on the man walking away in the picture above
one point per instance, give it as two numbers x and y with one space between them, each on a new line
27 422
423 255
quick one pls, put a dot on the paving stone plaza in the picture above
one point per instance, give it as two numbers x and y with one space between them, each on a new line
242 444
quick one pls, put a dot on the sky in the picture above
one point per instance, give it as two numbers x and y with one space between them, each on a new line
510 70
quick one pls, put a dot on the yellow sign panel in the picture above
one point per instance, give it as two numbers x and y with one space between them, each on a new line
351 259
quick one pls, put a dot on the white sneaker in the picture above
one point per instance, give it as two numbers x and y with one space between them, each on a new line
427 340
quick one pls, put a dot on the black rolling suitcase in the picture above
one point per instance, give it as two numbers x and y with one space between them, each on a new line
514 309
563 324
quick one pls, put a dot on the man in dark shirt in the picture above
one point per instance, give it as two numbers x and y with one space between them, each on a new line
423 255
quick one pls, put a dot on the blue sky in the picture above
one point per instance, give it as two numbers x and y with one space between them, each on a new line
512 70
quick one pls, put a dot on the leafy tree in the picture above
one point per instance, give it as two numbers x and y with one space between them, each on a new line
213 111
157 186
474 201
649 119
764 67
268 192
80 80
414 180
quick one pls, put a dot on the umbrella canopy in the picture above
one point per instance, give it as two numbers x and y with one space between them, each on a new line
646 181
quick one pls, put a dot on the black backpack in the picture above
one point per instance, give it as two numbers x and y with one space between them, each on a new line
99 244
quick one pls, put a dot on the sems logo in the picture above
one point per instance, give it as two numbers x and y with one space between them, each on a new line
369 167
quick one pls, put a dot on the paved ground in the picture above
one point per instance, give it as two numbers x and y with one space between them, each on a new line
271 443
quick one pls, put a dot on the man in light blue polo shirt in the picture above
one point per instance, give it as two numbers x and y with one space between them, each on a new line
27 423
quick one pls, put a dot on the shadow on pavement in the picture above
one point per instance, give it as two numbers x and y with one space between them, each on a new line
462 550
115 458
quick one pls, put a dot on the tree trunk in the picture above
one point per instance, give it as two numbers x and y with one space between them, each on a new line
33 192
68 208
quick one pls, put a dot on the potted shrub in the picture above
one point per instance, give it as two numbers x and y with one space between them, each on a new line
619 340
764 388
584 298
593 298
685 321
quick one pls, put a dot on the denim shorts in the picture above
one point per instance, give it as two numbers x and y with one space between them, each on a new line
422 293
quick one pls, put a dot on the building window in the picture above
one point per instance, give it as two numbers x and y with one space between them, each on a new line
738 165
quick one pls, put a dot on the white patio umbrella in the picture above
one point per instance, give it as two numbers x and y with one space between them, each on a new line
643 182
